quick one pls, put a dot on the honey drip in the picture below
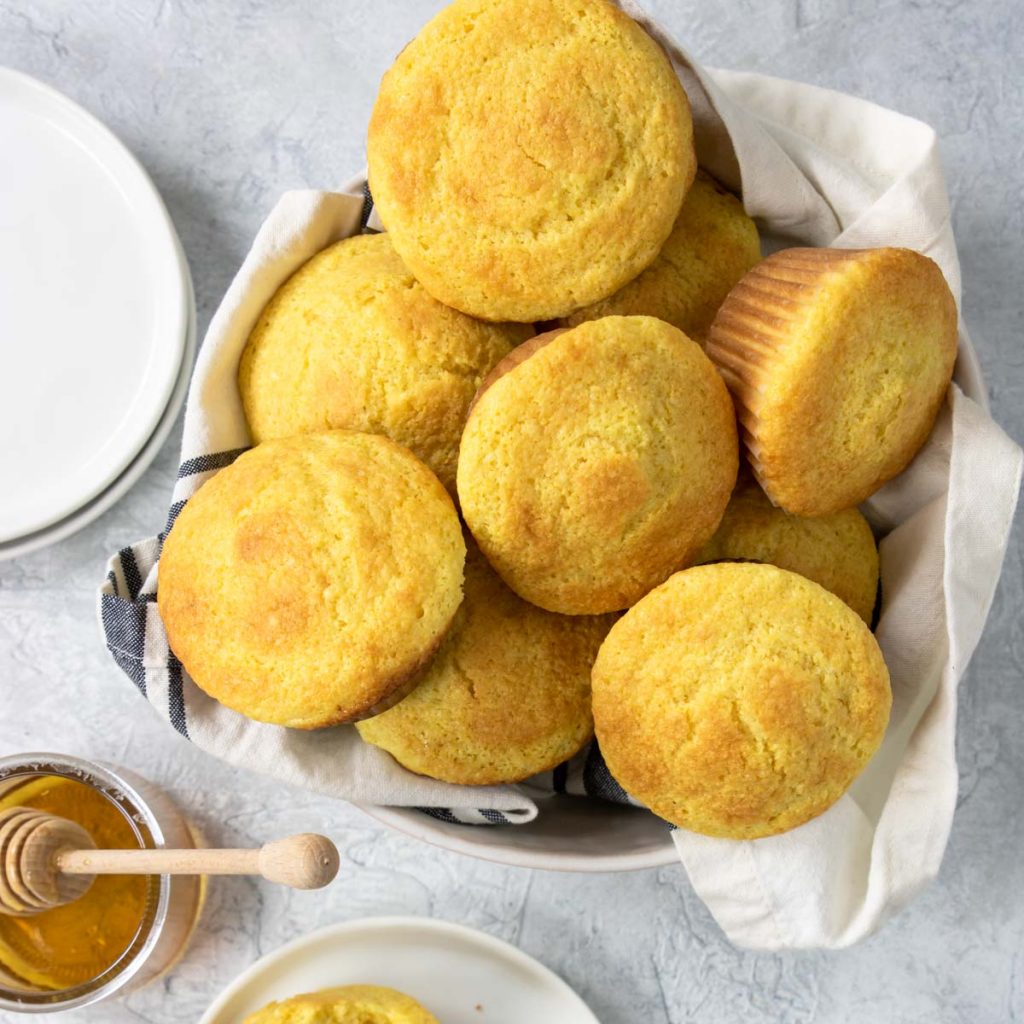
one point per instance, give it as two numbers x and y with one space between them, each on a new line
69 945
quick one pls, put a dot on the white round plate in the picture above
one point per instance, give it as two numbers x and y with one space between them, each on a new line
460 975
94 307
97 506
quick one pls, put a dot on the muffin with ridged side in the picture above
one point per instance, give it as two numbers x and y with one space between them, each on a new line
307 583
739 700
352 340
529 157
596 461
839 361
507 696
837 551
712 245
345 1004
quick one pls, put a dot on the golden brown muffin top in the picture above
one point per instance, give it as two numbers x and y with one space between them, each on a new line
837 551
839 361
529 156
712 245
739 700
345 1004
352 340
507 696
597 466
307 582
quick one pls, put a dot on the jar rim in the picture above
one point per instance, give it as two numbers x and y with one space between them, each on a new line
111 781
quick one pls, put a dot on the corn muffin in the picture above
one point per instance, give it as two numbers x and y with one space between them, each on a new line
739 700
596 461
352 340
507 696
529 157
839 361
308 582
712 245
837 551
346 1004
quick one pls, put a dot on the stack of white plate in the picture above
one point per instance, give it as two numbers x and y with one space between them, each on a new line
97 320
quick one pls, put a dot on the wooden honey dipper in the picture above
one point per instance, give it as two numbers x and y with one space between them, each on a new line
47 861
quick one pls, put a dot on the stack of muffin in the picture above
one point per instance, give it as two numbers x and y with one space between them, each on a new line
533 163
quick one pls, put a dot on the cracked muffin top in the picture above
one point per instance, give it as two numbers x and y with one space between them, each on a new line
712 245
346 1004
529 157
837 551
739 700
308 582
507 696
352 340
597 461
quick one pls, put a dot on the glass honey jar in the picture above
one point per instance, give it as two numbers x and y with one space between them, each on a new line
127 929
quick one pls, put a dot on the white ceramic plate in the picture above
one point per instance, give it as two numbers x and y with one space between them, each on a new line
94 307
97 506
460 975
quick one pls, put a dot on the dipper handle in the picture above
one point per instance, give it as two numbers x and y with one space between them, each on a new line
304 861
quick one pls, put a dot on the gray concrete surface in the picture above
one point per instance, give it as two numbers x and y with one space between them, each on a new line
229 103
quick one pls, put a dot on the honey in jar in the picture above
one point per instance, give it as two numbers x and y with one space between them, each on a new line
69 945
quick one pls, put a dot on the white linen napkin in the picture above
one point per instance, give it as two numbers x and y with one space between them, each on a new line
814 167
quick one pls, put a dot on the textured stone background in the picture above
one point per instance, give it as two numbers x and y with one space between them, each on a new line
229 103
